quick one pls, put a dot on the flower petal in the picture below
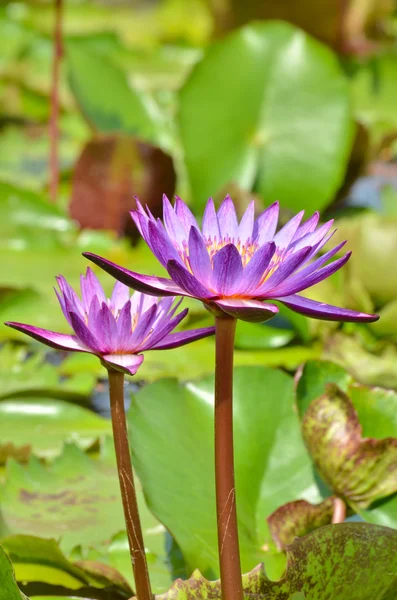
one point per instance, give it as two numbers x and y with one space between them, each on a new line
120 296
282 271
246 227
312 273
84 334
173 225
90 287
70 300
109 337
186 281
60 341
228 270
227 219
283 238
253 311
210 223
266 224
173 340
185 215
144 324
160 333
124 327
161 245
199 259
314 237
327 312
147 284
126 363
256 268
307 227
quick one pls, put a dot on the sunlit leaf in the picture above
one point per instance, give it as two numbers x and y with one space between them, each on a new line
273 143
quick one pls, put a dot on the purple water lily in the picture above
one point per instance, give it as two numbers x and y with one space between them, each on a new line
118 329
237 268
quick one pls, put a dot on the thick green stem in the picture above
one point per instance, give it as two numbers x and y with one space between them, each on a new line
228 547
127 486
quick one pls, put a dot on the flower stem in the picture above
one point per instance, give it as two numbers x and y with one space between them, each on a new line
127 486
339 513
54 116
228 547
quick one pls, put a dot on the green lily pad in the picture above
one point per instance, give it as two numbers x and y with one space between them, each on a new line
106 99
45 424
26 374
332 563
359 470
171 427
8 587
272 143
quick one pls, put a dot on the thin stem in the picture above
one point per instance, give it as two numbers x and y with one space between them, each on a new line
339 514
228 547
54 115
127 486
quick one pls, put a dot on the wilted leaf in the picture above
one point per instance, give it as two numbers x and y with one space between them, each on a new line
332 563
359 470
272 465
298 518
272 144
109 173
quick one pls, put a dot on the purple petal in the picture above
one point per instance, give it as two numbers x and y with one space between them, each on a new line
228 270
141 221
246 227
323 273
227 219
84 334
210 222
161 245
313 238
186 281
185 215
327 312
71 301
94 318
109 337
256 268
60 341
142 329
124 327
283 270
266 224
247 310
126 363
283 238
147 284
160 333
301 279
90 287
120 296
307 227
173 340
199 259
173 225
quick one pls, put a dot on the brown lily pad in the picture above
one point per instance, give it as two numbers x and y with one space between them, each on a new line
112 170
358 469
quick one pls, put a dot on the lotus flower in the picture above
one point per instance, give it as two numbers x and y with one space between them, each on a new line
237 268
118 329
